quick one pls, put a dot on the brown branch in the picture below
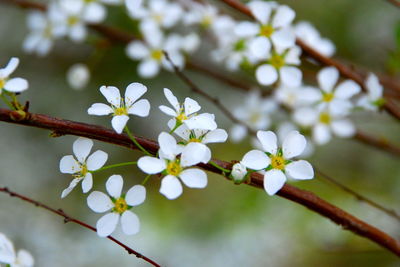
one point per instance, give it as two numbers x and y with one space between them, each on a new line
394 2
379 143
302 197
344 70
68 218
358 196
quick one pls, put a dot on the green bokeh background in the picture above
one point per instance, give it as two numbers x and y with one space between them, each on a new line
224 224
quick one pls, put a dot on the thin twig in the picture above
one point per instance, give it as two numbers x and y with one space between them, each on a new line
68 218
201 92
290 192
379 143
358 196
394 2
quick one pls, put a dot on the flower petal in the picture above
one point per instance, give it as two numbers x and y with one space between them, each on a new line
191 106
293 145
99 202
148 68
274 180
107 224
268 140
343 128
327 78
194 178
114 185
167 110
130 223
171 187
119 122
68 164
136 195
168 145
133 92
16 85
261 11
260 47
216 136
172 99
96 160
300 170
256 160
81 148
25 258
140 108
7 252
10 68
112 95
266 74
291 76
237 133
100 109
194 153
87 183
71 186
321 134
204 121
151 165
347 89
284 16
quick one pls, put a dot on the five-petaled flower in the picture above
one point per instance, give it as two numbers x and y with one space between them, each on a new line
8 255
13 85
81 165
277 162
119 206
174 167
119 108
186 113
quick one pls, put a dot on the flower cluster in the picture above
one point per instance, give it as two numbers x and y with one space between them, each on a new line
10 257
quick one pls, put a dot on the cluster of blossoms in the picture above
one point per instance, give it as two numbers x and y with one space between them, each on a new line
10 257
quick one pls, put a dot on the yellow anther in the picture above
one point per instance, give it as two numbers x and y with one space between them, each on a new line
277 61
157 54
327 97
277 162
266 30
120 205
325 118
174 168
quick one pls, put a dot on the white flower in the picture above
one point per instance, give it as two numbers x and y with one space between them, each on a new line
173 167
323 122
160 13
119 206
255 112
150 53
13 85
373 99
280 65
239 172
273 27
186 113
81 165
119 108
200 137
294 97
8 255
337 99
285 128
44 29
307 32
277 162
78 76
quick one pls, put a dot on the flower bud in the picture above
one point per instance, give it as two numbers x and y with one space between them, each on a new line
78 76
239 172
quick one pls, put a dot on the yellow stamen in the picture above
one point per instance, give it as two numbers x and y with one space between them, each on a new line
120 205
120 111
266 30
327 97
72 20
325 118
194 139
277 61
157 54
277 162
206 21
181 117
174 168
2 83
254 118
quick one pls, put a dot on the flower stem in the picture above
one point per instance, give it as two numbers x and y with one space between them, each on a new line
136 142
175 127
8 103
115 165
219 167
146 179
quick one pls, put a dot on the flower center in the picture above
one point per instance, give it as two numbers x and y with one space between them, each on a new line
174 168
254 118
157 54
2 83
195 139
277 61
277 162
120 205
266 30
325 118
158 18
181 117
72 20
327 97
48 31
120 111
206 21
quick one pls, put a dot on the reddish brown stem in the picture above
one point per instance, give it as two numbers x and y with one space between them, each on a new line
302 197
68 218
